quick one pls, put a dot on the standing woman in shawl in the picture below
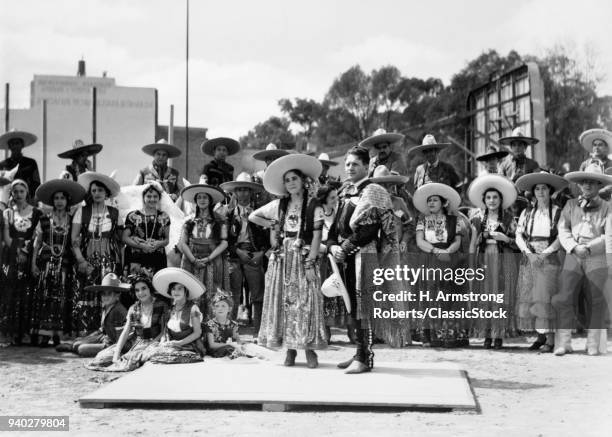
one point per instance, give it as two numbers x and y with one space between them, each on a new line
96 232
20 221
293 304
537 237
204 241
493 230
147 233
52 259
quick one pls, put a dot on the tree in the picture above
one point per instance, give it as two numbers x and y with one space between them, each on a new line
273 130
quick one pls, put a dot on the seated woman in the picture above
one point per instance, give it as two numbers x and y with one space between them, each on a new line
146 321
182 339
221 328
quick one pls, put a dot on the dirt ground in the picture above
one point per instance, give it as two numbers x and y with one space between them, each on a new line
520 393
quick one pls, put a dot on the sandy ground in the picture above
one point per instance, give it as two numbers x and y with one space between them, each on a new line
520 393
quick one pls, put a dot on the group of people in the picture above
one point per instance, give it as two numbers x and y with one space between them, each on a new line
268 242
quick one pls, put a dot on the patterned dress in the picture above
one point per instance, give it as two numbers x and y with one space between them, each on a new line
149 227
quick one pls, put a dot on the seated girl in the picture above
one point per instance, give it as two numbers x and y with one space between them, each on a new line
221 329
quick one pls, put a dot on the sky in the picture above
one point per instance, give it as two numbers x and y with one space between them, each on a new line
246 55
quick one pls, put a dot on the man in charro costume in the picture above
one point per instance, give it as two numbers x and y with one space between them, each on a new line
433 170
517 163
159 170
363 237
79 154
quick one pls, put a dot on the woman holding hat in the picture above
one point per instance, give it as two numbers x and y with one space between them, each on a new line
204 240
493 230
147 233
181 341
52 258
143 329
293 306
95 242
19 223
438 233
537 238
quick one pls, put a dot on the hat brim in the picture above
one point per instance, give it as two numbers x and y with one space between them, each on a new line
495 155
329 163
85 180
171 150
232 145
165 277
273 177
189 193
46 191
393 179
502 184
231 186
269 154
424 147
577 176
90 149
587 137
530 141
100 288
27 137
389 137
528 181
424 192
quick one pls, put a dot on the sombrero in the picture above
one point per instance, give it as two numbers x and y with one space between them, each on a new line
165 277
608 171
382 175
46 191
528 181
592 172
208 147
273 177
189 193
110 282
27 137
482 183
424 192
517 135
79 147
588 136
162 144
324 158
85 180
271 152
333 285
492 153
243 180
381 136
429 142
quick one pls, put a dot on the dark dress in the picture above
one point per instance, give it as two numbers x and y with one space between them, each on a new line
221 333
155 227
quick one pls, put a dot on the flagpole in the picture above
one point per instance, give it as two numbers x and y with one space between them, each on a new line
187 94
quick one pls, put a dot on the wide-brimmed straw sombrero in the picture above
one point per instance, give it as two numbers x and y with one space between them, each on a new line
271 152
382 175
79 147
85 180
189 193
588 136
232 146
333 286
243 180
27 137
429 142
162 144
110 282
424 192
517 135
381 136
76 193
502 184
492 153
528 181
324 158
592 172
165 277
273 177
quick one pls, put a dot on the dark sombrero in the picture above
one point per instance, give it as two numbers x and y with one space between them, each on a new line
78 148
208 147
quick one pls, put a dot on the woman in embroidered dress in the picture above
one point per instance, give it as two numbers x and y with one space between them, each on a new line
96 232
293 305
144 326
147 233
20 221
537 238
52 260
493 230
203 241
